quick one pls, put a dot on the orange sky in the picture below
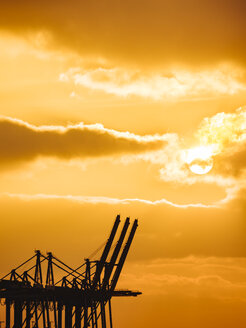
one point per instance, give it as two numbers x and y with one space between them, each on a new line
137 108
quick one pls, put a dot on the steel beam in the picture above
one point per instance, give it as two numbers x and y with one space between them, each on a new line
106 250
17 314
55 313
7 313
59 306
92 317
109 268
43 315
78 312
36 314
94 313
123 256
68 316
110 313
103 316
28 314
47 314
85 317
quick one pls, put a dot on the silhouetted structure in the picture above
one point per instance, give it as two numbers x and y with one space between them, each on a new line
75 300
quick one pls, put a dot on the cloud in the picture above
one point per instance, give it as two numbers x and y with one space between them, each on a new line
195 291
219 142
142 33
24 142
233 161
223 129
169 229
218 278
226 132
176 84
222 137
104 200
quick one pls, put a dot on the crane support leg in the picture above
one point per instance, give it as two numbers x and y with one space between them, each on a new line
94 313
55 314
110 313
47 314
36 315
103 317
78 312
28 314
60 315
17 314
92 318
7 313
85 317
43 312
68 316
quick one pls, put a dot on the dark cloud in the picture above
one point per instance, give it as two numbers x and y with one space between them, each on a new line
232 162
137 31
23 142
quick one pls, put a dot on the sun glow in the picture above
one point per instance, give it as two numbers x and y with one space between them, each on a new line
199 159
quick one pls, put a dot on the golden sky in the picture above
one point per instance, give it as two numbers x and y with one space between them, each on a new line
138 108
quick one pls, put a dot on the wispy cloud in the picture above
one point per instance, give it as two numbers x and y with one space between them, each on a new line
102 200
175 84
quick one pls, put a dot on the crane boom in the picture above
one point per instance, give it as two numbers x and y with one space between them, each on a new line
123 256
115 254
106 250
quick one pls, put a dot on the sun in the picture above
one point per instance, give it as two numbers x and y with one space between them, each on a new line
199 159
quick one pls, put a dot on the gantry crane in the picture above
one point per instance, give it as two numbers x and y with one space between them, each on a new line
77 299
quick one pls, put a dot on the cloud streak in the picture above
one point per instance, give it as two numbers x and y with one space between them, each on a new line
176 84
103 200
21 141
172 231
